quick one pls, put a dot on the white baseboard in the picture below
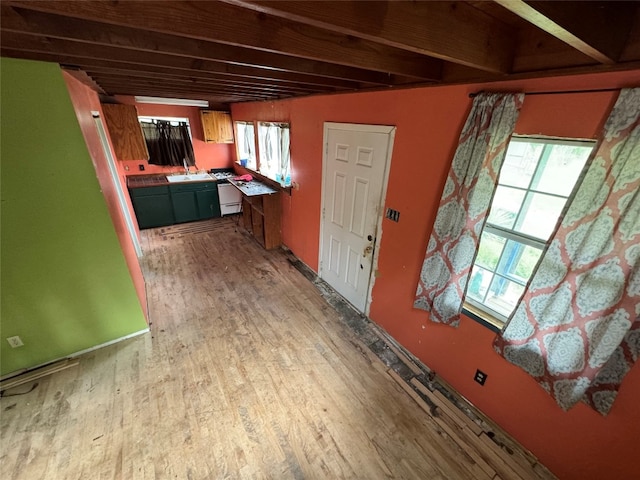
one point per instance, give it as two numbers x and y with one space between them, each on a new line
76 354
106 344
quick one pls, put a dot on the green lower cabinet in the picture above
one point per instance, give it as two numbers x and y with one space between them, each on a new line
152 206
166 205
208 203
185 208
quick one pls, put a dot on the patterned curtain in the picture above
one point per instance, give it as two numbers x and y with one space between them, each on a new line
464 203
577 328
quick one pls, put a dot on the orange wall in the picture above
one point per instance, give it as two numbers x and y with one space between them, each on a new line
85 100
579 444
208 155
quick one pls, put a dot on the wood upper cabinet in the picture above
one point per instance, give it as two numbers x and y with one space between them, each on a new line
217 126
125 131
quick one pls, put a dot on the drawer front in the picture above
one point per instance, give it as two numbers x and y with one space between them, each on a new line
229 208
146 191
193 187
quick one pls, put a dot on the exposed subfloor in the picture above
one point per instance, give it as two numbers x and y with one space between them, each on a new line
248 372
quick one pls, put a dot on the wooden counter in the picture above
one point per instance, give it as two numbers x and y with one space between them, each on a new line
260 212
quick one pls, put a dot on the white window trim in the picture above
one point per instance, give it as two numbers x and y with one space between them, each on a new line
483 313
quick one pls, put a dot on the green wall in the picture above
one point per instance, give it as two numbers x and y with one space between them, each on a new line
65 285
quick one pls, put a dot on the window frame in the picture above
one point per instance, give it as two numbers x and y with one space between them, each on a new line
285 125
172 120
481 312
255 143
259 151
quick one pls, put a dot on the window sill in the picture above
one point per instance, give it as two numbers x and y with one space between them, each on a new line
266 180
482 318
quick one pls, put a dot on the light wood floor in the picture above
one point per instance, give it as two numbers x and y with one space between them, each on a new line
247 373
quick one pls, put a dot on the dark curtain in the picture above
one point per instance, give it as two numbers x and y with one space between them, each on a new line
168 145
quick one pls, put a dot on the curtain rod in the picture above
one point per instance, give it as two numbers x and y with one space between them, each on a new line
557 92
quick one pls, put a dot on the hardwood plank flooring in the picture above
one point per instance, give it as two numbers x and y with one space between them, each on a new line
247 373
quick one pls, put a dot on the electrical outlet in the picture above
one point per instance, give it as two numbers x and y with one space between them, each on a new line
480 377
15 341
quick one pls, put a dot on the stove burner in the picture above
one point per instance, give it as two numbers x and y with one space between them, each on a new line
224 175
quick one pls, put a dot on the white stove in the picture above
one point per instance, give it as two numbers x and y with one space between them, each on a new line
230 196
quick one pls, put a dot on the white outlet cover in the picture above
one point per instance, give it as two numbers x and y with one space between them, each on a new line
15 341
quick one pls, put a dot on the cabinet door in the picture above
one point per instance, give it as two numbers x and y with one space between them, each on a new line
153 210
217 126
257 220
185 208
246 214
208 203
125 131
225 127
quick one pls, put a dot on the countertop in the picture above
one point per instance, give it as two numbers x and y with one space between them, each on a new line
156 179
252 188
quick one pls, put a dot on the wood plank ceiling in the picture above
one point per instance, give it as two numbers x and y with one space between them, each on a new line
242 50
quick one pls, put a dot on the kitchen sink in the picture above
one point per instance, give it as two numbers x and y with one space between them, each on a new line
192 177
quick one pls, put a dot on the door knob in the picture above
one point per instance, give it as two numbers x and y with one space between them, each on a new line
367 250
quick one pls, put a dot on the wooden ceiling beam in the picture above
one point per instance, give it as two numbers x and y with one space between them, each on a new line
17 19
231 25
138 89
222 101
163 90
597 29
217 80
67 49
204 85
452 31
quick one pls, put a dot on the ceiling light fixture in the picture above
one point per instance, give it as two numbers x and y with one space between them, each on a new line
183 102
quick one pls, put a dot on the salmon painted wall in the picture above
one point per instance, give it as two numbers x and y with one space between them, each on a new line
85 100
579 444
208 155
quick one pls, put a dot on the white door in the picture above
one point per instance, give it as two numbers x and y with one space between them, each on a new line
354 176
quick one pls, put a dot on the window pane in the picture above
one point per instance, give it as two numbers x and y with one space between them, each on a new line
518 261
520 163
539 215
505 206
268 137
503 295
479 283
490 249
245 142
273 144
561 169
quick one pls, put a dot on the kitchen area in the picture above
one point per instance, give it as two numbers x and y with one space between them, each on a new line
214 185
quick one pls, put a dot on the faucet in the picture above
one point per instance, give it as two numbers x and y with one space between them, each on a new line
186 167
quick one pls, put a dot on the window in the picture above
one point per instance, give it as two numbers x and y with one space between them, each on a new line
273 159
246 143
168 140
273 144
536 179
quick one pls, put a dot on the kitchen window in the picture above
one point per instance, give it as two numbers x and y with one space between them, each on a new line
536 179
246 144
273 144
273 158
168 140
